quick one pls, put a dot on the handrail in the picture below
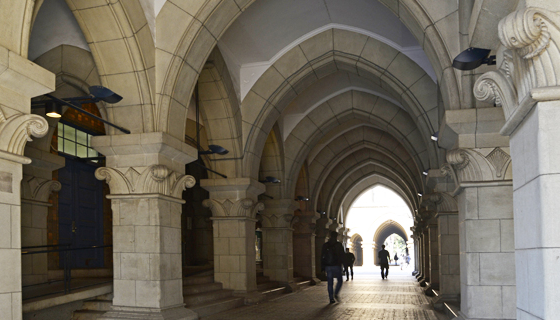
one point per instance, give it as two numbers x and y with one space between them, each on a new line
66 258
67 249
48 245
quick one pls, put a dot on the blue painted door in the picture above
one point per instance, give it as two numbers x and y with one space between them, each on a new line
80 212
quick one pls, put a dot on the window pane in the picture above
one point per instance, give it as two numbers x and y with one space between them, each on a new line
81 137
60 129
69 133
82 151
89 140
60 144
92 153
69 147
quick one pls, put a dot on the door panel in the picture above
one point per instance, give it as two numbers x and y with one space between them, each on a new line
81 213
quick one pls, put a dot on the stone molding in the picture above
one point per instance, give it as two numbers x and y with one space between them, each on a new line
469 167
16 131
306 223
527 73
38 190
322 226
279 213
246 207
441 202
155 179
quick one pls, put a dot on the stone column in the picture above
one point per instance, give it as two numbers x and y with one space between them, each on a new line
485 232
146 198
434 254
527 86
278 250
426 254
234 208
20 80
304 246
36 186
321 233
370 254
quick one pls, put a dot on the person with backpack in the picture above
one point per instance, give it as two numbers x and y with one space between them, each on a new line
384 259
332 257
349 259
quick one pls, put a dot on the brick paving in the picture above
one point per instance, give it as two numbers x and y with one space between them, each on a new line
366 297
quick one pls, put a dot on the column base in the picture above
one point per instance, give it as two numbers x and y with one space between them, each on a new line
136 313
315 280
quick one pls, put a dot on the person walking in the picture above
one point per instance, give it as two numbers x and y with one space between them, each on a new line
384 259
349 259
332 257
396 258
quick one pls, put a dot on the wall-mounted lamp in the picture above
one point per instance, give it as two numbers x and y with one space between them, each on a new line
269 179
215 149
434 136
53 109
472 58
425 173
301 198
266 196
419 194
97 93
320 212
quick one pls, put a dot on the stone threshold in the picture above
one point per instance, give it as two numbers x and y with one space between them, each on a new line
44 302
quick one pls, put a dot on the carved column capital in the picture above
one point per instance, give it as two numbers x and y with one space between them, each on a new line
529 71
236 208
154 179
16 131
37 189
279 213
480 165
441 202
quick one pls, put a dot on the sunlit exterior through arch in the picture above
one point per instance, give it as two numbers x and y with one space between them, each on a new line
375 215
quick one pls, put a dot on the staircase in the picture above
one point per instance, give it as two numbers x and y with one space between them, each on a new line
95 308
206 297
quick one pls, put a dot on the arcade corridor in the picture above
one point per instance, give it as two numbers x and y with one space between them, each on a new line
366 297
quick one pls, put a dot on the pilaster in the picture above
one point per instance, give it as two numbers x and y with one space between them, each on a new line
20 80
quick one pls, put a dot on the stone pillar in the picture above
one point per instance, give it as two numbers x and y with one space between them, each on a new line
434 254
304 246
234 206
321 233
36 186
448 244
370 254
485 232
527 86
146 198
278 250
426 254
20 80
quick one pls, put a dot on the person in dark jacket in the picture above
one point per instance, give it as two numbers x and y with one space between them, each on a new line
384 259
332 257
349 259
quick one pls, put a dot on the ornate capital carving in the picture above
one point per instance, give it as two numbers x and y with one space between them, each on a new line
33 188
279 220
237 208
529 71
441 202
16 131
470 165
153 179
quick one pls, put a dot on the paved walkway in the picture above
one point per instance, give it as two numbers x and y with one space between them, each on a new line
366 297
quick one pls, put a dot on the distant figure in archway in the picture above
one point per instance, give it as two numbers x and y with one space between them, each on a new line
384 259
349 263
332 257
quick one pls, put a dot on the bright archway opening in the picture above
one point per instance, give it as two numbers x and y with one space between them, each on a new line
380 216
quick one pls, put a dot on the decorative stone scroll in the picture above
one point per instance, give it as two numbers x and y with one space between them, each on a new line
157 179
470 165
39 189
227 208
16 131
529 71
441 202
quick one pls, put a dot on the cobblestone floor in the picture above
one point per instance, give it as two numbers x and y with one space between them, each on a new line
366 297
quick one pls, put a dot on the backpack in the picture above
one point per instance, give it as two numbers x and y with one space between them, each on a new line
330 258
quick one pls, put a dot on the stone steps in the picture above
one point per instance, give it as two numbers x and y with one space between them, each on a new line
192 300
97 305
198 279
87 315
200 288
217 306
